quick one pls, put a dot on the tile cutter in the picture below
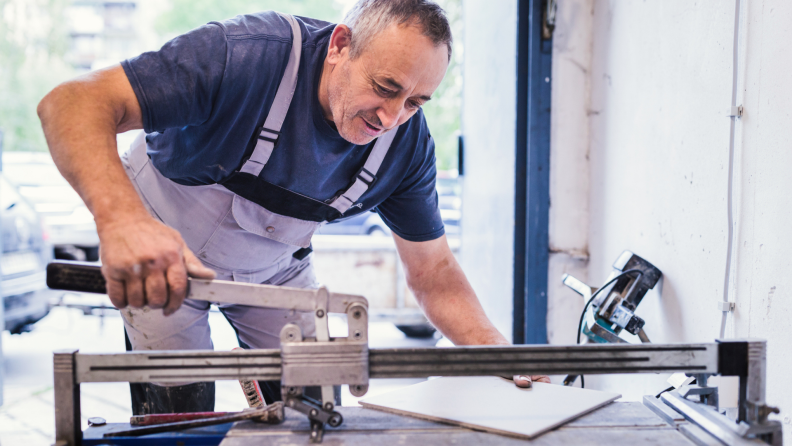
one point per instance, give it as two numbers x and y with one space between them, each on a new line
323 361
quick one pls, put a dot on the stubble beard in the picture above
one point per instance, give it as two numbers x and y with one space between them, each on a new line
336 96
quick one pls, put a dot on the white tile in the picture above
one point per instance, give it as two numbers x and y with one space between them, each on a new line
492 404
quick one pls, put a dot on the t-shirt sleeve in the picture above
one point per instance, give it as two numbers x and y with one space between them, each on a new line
412 210
176 86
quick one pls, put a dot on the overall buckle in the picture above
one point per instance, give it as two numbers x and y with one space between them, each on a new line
369 177
274 132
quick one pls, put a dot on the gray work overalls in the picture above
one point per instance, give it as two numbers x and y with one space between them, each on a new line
245 229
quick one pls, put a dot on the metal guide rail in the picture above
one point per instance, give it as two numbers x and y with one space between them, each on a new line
266 365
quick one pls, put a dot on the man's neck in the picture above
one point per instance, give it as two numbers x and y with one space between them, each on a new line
324 98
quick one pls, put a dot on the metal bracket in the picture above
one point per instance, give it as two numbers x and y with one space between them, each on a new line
316 414
304 361
549 22
736 111
725 306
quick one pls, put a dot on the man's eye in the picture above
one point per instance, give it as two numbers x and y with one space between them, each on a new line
413 104
382 90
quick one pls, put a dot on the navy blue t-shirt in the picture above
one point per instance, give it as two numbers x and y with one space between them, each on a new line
204 94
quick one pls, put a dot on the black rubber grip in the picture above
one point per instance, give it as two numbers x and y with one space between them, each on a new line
76 276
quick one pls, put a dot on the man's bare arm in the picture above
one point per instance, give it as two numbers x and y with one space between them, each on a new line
444 293
446 297
144 261
80 119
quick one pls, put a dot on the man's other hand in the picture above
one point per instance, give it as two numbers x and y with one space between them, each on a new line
147 263
527 381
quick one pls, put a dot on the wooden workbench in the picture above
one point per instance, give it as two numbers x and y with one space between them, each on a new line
617 423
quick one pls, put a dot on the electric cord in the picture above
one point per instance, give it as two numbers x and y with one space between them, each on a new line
664 391
591 299
730 184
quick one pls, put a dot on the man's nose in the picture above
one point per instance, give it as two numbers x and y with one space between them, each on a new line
390 112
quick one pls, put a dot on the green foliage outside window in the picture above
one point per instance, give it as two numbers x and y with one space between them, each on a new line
185 15
32 48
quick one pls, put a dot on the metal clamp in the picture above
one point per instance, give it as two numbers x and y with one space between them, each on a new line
325 361
725 306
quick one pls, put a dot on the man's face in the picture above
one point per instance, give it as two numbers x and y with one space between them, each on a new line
385 85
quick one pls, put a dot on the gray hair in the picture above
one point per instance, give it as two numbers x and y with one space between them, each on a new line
368 18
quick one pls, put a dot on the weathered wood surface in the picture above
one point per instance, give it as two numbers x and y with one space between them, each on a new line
617 423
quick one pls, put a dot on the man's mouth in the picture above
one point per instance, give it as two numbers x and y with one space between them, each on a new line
371 129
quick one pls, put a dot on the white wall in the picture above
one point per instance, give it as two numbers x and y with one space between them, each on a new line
762 276
488 125
660 81
569 166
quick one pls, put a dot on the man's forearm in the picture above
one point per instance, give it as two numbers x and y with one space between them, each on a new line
449 302
144 262
80 121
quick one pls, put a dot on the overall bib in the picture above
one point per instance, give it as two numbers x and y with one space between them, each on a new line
245 229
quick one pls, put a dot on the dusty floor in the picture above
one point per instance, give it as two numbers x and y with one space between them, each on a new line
27 413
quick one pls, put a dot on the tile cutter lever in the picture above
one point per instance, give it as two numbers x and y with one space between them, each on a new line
323 361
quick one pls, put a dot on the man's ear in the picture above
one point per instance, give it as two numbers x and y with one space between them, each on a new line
340 40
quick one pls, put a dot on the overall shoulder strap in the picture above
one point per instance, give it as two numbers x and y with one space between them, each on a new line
270 131
367 174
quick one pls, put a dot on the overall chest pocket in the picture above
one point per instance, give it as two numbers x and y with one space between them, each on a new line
251 237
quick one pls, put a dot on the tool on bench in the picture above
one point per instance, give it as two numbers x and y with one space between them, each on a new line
162 418
606 315
323 361
272 414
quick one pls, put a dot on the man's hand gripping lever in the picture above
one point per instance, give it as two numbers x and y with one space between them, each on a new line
146 263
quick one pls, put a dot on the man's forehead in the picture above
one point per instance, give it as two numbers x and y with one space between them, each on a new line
402 58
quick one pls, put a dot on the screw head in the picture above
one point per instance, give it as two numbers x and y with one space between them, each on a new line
314 412
335 421
328 406
320 313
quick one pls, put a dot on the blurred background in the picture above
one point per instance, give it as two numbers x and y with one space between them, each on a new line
45 42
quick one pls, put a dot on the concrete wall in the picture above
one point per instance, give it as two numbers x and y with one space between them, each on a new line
569 166
488 125
660 88
660 79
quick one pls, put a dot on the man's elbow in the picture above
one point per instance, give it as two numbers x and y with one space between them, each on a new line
43 108
49 104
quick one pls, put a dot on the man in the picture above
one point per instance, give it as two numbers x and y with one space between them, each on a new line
260 129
